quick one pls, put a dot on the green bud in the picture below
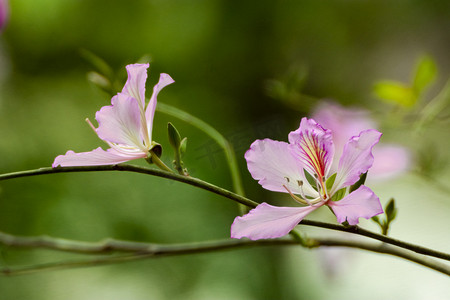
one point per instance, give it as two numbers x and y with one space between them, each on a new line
174 136
183 145
391 210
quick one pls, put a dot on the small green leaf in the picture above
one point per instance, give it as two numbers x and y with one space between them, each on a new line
376 219
390 210
339 194
360 182
174 136
330 181
395 92
311 180
425 73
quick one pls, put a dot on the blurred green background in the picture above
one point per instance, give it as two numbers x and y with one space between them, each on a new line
224 57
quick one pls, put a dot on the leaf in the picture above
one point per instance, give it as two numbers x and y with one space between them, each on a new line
376 219
391 210
330 181
360 182
311 180
426 71
339 194
395 92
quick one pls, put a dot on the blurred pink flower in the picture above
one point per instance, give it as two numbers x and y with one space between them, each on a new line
125 125
390 159
4 13
284 167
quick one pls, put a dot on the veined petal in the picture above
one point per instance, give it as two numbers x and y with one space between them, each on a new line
273 165
356 158
164 80
362 203
120 122
389 161
313 145
344 122
267 221
96 157
135 85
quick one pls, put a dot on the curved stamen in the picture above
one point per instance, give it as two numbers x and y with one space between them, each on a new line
304 200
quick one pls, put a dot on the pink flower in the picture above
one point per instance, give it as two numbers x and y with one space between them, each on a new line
4 13
125 125
302 168
390 159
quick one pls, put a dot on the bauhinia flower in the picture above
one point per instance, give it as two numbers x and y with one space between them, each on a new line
390 161
303 168
125 125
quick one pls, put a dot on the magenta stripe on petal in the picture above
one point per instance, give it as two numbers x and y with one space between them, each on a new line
313 145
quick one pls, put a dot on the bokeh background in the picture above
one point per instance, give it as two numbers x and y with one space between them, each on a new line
251 69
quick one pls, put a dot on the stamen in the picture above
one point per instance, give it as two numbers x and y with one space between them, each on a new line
296 198
91 125
302 193
287 179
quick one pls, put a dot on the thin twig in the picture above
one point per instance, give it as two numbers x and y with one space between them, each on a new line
137 251
225 193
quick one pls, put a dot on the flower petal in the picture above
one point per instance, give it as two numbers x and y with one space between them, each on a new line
267 221
96 157
120 122
135 85
362 203
344 122
313 145
356 158
389 161
164 80
273 165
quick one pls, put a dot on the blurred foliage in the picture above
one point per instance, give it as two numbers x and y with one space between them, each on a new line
407 95
223 56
